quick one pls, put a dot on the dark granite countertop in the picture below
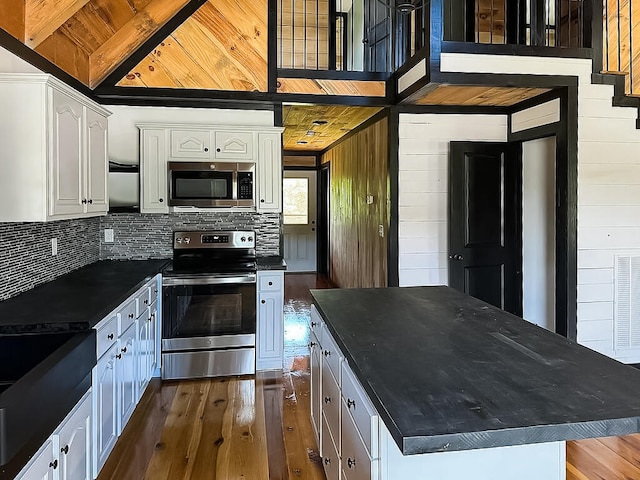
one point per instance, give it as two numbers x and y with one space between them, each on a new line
446 372
78 300
271 263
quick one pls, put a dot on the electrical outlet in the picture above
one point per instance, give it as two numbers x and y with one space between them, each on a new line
54 247
381 230
108 235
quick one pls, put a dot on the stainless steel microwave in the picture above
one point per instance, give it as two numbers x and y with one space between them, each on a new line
211 184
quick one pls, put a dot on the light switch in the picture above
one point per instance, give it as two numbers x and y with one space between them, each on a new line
381 230
54 247
108 235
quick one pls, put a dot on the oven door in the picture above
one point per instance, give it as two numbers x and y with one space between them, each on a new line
209 312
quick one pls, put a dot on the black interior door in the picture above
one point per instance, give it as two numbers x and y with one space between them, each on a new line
485 222
377 37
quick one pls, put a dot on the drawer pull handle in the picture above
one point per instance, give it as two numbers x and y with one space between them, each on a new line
313 344
146 302
327 399
327 353
131 315
119 356
155 291
123 349
54 464
65 449
351 403
110 336
351 463
327 461
314 324
270 283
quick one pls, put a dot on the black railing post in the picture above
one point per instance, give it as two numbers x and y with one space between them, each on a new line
538 22
332 34
515 22
470 21
593 14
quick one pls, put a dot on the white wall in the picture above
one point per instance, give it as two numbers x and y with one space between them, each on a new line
608 186
538 232
423 186
124 136
10 63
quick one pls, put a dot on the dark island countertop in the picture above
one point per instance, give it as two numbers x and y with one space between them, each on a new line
447 372
78 300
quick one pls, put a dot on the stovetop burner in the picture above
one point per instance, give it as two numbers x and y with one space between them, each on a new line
212 252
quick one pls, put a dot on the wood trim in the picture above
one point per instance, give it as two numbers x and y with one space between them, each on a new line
148 45
272 46
332 74
532 102
43 17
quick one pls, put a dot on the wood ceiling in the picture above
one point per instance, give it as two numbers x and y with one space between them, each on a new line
299 122
478 95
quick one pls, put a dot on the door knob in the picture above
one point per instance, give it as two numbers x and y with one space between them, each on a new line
457 256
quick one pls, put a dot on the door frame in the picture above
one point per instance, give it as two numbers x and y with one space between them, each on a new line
323 207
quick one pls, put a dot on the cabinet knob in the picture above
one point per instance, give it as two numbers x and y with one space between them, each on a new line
312 344
262 301
65 449
84 200
217 149
131 315
110 336
351 463
350 403
327 353
270 283
123 349
327 461
327 399
119 356
90 201
146 302
161 200
53 464
262 200
314 324
206 149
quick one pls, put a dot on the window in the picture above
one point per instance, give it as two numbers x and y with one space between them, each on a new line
296 201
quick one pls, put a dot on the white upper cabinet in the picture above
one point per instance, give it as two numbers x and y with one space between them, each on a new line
54 157
161 143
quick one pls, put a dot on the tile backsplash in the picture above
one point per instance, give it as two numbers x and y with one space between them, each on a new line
25 252
143 236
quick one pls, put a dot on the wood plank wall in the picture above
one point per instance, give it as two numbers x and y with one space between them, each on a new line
622 42
359 167
303 34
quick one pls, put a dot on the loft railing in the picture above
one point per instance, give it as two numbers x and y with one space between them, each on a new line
621 41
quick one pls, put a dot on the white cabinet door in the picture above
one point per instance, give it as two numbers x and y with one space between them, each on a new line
74 443
194 144
97 163
126 377
105 411
144 349
154 340
233 145
270 324
66 175
41 467
269 172
316 391
153 177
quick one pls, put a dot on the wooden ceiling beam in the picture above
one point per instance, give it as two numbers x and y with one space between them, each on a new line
12 18
130 37
43 17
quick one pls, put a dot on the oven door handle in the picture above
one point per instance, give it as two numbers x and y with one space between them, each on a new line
208 280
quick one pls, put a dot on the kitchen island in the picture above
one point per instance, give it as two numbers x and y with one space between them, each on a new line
461 389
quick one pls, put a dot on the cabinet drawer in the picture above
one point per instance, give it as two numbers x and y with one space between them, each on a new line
233 145
143 300
330 403
331 354
127 315
330 457
270 281
106 335
356 463
315 322
359 406
190 144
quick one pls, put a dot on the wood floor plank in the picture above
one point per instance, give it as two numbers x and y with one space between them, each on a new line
272 386
597 462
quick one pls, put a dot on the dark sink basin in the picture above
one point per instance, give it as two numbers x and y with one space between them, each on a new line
42 377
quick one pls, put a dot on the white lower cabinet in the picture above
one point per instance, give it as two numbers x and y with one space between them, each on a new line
105 407
126 377
330 454
66 455
269 320
316 389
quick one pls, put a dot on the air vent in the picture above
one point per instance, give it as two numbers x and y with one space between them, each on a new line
627 302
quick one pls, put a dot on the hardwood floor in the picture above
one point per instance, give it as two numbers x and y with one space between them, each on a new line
258 427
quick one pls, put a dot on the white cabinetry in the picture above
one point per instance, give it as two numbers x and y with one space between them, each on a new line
269 320
269 173
54 141
66 455
160 143
127 348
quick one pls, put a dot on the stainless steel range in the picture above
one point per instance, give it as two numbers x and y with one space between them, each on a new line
209 309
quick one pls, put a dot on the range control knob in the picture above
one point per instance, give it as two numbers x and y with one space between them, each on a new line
250 238
187 240
179 240
243 239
